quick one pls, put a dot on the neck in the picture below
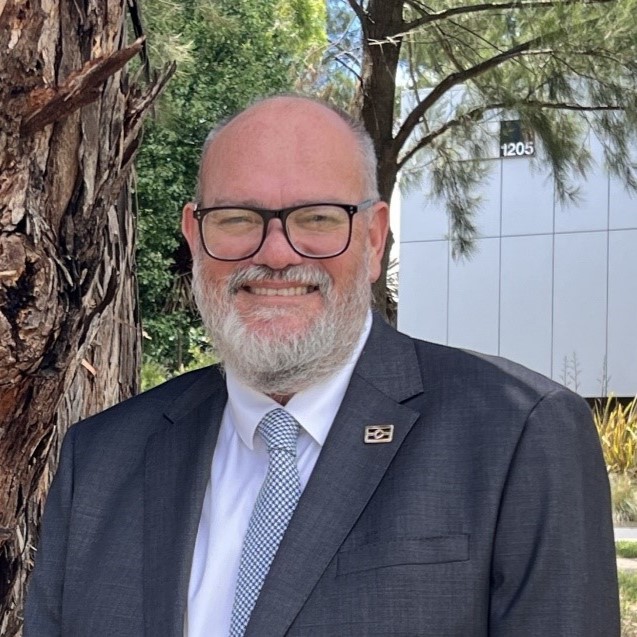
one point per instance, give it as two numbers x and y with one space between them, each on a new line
282 399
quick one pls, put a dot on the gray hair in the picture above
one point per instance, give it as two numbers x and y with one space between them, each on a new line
366 149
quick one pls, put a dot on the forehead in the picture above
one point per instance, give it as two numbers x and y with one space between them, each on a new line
283 152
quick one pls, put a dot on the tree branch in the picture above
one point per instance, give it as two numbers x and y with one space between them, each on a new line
571 106
479 111
458 78
436 16
360 14
411 66
418 6
337 43
471 115
344 64
138 107
138 29
443 43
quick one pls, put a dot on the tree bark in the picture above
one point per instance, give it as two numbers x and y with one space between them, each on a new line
69 330
382 27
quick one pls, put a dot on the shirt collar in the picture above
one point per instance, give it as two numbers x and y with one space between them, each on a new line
314 408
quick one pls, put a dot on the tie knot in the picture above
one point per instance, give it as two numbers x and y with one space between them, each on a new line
280 431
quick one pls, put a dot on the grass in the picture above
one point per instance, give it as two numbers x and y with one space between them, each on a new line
628 589
628 602
626 548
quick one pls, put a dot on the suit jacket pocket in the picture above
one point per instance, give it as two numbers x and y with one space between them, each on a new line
426 550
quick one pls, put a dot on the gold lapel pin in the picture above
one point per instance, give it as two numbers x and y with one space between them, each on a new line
375 434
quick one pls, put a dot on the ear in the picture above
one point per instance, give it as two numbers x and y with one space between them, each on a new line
189 226
377 236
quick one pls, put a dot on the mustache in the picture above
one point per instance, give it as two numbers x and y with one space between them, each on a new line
310 275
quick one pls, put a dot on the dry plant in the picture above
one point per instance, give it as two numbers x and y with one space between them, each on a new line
617 428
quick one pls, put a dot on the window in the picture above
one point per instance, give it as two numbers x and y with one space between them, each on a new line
515 141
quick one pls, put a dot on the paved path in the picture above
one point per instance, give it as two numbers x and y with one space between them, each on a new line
624 564
625 533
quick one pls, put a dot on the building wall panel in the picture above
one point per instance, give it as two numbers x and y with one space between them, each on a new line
422 292
526 301
474 299
622 313
579 317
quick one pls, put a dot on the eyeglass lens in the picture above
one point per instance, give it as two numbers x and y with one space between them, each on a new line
314 231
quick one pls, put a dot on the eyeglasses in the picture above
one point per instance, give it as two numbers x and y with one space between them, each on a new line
315 231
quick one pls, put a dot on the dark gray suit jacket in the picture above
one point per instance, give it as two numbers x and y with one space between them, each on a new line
488 513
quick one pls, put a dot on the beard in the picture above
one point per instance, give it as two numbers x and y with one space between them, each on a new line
276 361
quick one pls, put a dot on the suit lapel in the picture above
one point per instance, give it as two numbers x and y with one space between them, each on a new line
345 477
177 470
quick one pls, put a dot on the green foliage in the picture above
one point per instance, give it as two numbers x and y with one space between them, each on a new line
303 24
228 53
628 602
627 549
564 69
153 373
617 428
334 77
628 583
559 55
624 498
198 354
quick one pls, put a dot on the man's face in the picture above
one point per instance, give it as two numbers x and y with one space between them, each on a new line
282 154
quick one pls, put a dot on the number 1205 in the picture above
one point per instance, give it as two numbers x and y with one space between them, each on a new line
519 149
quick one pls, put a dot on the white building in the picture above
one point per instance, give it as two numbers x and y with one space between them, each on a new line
553 287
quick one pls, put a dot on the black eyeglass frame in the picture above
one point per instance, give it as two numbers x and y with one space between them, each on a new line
267 215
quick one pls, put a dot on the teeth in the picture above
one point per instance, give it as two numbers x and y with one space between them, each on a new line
297 291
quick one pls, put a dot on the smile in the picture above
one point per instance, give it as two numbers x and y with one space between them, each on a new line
292 291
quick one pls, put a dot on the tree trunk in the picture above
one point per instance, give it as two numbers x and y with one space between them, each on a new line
382 26
69 330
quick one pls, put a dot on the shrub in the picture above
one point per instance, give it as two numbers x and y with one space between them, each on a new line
617 428
153 373
624 498
199 355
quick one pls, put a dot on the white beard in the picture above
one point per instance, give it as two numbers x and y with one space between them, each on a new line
282 363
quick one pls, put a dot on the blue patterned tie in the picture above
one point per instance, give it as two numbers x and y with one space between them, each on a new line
273 509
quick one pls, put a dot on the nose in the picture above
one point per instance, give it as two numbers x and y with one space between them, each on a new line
276 252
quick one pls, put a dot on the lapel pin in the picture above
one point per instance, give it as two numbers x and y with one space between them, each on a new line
375 434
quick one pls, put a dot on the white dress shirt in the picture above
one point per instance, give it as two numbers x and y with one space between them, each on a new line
239 466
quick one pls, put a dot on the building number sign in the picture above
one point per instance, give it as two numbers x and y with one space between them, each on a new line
515 141
517 149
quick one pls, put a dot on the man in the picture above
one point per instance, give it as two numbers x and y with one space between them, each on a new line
340 478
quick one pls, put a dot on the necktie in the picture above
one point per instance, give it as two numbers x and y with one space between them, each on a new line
273 509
